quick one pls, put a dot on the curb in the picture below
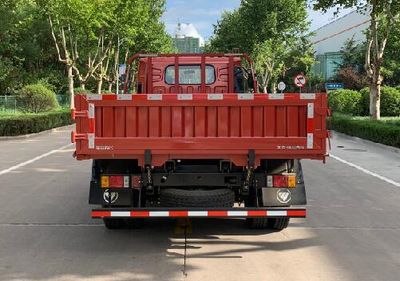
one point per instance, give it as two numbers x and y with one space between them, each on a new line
383 146
28 136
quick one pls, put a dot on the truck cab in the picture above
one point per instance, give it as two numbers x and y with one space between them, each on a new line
194 74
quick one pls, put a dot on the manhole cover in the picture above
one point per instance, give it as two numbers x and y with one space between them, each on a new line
356 150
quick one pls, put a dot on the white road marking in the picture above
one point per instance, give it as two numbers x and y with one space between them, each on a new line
368 172
13 168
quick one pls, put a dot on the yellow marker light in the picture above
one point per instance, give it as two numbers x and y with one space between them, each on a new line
291 180
105 182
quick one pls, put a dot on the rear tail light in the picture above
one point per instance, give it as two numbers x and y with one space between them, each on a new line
105 182
280 181
291 180
285 180
115 181
136 181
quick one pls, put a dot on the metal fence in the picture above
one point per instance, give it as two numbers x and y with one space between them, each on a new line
9 104
63 100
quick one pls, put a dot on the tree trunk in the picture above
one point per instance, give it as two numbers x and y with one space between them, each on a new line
273 87
71 85
375 101
83 85
265 84
100 86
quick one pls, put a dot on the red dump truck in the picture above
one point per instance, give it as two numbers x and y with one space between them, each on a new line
192 137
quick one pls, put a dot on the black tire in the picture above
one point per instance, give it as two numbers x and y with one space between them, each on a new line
197 198
257 223
113 223
279 223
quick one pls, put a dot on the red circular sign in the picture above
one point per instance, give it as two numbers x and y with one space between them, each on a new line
300 80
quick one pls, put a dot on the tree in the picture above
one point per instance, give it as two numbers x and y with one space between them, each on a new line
78 31
352 54
385 14
146 33
228 34
391 64
88 35
275 33
350 69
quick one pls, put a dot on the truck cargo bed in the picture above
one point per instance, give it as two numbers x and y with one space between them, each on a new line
200 126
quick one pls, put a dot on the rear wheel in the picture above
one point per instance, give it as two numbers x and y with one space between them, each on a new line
257 223
268 223
278 223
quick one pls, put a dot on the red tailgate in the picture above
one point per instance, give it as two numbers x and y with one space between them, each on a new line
201 126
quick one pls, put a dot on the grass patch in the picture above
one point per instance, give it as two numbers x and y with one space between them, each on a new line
385 131
21 124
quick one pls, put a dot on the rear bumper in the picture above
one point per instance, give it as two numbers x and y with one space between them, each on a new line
199 213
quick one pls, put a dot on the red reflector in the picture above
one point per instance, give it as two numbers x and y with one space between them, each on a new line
297 213
178 213
117 181
101 214
310 125
140 214
257 213
280 181
136 181
217 213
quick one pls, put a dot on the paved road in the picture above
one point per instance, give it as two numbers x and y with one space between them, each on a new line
352 232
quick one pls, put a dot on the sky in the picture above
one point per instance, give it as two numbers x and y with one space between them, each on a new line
204 13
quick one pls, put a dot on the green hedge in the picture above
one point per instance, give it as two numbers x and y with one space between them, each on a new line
36 98
346 101
22 124
385 131
390 101
357 103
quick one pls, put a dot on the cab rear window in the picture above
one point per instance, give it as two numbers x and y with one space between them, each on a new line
189 74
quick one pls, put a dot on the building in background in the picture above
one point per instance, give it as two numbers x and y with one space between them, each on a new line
187 39
329 40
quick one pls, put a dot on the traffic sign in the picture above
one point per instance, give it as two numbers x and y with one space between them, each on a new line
300 80
281 86
334 86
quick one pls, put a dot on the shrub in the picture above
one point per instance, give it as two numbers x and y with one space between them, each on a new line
14 125
81 91
351 78
36 98
377 131
390 101
346 101
107 92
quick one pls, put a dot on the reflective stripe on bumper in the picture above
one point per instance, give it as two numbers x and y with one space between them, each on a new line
199 213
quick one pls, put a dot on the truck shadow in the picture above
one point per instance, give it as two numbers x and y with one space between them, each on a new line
155 252
230 238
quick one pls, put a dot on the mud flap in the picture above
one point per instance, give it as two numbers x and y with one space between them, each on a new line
278 197
110 196
284 196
